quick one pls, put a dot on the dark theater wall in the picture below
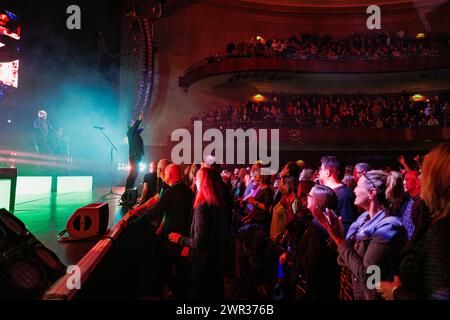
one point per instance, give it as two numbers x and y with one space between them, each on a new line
187 33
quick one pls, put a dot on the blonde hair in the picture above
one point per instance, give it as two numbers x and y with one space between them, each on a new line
435 181
389 186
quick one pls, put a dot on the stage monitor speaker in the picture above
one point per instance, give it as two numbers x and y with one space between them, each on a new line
87 222
27 267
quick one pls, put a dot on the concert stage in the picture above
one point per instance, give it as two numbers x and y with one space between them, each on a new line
45 215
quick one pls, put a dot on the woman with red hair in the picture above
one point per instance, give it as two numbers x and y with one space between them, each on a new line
208 238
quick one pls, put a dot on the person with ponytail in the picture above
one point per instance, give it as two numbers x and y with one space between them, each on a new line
373 243
208 240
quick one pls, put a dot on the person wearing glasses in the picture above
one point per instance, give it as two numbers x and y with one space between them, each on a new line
374 242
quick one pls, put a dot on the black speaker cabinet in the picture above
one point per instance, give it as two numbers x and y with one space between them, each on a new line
27 267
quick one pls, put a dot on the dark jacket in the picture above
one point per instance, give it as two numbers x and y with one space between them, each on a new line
264 196
317 262
346 208
41 126
176 207
420 216
208 242
425 270
135 142
150 179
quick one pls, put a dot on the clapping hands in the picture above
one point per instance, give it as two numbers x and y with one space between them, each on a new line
387 288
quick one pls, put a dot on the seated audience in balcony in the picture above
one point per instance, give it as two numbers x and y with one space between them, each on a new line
365 47
332 111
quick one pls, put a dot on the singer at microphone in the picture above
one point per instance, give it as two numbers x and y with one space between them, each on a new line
136 149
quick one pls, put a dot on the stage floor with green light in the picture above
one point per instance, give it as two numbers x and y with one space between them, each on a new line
45 215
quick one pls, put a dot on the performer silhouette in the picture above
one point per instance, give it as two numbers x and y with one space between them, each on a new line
136 146
42 129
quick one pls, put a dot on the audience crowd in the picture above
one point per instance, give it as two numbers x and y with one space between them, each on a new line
358 47
307 232
333 112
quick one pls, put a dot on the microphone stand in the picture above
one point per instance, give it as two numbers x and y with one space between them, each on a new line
113 147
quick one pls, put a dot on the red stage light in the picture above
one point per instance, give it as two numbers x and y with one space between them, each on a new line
9 73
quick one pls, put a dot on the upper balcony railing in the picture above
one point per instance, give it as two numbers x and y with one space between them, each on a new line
206 69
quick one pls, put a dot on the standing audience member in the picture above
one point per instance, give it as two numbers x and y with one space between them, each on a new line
316 258
150 181
349 179
329 176
288 268
161 186
376 238
175 209
239 188
415 217
261 203
208 239
425 270
249 190
306 174
283 211
192 175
